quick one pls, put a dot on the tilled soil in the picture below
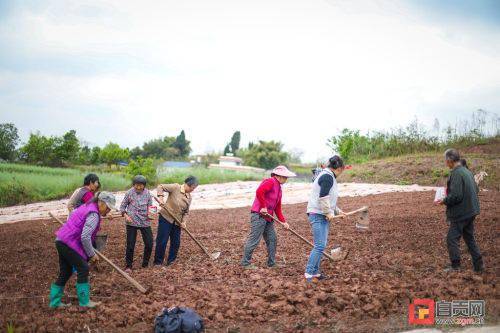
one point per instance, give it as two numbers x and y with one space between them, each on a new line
398 259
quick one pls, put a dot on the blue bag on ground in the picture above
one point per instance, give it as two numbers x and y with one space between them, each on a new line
178 320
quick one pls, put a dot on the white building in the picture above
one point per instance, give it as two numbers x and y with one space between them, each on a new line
233 163
230 161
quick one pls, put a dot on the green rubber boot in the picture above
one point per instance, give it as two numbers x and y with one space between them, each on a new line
83 292
56 294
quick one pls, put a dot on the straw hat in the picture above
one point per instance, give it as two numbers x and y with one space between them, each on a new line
283 171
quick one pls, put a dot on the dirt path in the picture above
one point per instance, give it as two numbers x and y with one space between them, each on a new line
215 196
399 259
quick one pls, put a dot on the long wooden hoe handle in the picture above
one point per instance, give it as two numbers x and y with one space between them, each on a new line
185 229
299 236
125 275
359 210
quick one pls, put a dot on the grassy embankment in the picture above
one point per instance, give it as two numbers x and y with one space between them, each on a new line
423 168
206 176
25 183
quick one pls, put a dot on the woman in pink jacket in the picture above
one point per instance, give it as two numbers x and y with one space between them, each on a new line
267 202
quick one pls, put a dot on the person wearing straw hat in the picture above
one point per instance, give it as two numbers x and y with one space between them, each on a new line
321 209
267 203
74 246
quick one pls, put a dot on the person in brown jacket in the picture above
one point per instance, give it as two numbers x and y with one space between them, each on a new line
178 202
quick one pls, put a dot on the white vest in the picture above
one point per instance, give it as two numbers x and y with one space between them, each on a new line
313 204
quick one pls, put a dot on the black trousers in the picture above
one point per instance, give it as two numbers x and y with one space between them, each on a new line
147 238
465 229
69 258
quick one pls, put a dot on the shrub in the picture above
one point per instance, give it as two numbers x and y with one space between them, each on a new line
142 166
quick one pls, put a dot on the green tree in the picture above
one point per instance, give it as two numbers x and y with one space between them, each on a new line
160 148
84 155
136 152
345 143
227 149
9 139
112 153
39 150
235 142
265 154
142 166
182 145
67 148
95 156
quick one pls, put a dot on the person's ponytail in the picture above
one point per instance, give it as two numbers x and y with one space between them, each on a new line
335 162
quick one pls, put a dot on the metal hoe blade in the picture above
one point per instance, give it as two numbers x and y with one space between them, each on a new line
100 241
338 253
364 221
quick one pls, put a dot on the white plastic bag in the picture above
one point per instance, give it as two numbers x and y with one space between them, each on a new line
440 194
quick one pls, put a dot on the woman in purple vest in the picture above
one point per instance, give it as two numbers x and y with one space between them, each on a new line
267 203
74 245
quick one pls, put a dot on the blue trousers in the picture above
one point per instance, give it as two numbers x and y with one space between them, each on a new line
167 230
320 228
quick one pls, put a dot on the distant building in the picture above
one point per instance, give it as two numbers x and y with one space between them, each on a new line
233 163
230 161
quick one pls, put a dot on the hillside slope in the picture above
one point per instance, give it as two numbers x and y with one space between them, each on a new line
428 168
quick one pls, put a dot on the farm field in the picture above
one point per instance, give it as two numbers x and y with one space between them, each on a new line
400 258
23 184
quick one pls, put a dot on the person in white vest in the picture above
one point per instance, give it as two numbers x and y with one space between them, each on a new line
321 209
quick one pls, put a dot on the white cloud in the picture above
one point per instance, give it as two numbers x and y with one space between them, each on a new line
295 71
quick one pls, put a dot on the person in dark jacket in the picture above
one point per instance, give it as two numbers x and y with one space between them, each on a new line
462 207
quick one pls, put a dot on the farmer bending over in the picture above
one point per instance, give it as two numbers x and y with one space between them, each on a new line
267 201
74 245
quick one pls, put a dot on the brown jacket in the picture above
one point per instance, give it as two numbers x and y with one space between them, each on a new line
178 201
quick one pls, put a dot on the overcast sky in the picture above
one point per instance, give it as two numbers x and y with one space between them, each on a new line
293 71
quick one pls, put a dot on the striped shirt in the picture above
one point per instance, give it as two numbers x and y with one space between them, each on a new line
88 229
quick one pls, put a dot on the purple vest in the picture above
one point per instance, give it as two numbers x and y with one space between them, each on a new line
272 197
71 232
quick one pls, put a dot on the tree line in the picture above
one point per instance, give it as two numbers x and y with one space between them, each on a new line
355 146
66 150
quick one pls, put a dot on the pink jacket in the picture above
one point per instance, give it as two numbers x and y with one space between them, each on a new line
268 195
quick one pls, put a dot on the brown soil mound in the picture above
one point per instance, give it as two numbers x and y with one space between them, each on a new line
399 259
